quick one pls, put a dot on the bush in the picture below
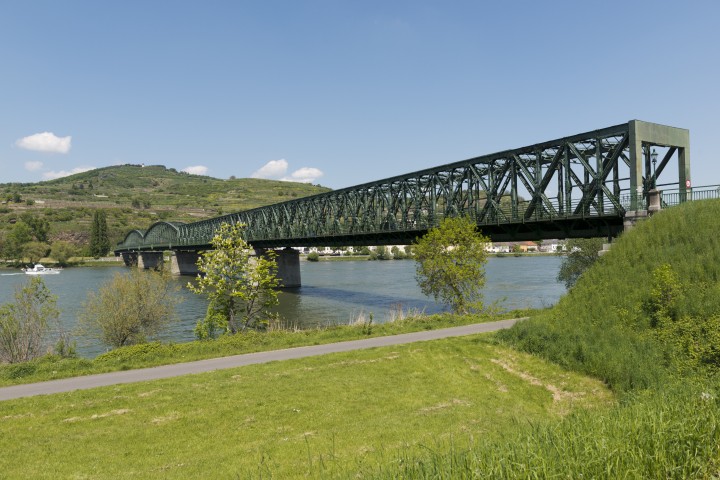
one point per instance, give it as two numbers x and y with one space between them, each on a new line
129 309
24 324
313 257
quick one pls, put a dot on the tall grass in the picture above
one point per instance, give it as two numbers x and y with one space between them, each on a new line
600 328
644 319
670 433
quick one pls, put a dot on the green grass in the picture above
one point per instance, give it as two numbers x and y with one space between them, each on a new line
319 417
650 335
473 407
673 433
152 354
601 327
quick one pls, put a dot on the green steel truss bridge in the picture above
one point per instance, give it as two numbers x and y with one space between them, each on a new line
578 186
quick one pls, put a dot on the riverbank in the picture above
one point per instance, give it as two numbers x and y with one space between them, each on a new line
52 367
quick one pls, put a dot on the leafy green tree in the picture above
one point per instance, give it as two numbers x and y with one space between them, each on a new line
40 226
25 323
382 253
99 241
62 252
34 251
451 264
581 254
16 239
397 254
129 309
241 288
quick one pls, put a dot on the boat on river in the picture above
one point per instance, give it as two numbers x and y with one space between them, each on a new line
39 269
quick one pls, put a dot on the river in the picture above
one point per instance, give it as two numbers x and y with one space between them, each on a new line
333 292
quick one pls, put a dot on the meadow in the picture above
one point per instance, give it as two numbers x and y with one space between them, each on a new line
618 380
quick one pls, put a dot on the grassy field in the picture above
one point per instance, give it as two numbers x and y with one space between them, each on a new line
320 417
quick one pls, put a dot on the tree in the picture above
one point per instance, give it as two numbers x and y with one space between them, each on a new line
241 288
24 324
40 226
16 239
130 308
582 253
451 264
99 241
62 252
34 251
382 253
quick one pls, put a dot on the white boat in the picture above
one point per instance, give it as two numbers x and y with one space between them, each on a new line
39 269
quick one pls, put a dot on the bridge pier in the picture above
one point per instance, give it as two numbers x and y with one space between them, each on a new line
633 217
130 258
184 263
288 263
147 260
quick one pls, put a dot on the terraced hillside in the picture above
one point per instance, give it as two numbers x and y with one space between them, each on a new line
134 196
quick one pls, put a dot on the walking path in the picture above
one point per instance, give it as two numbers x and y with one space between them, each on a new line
167 371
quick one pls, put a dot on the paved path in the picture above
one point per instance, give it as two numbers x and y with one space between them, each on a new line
166 371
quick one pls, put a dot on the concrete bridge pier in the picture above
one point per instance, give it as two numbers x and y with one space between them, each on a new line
288 263
147 260
130 258
633 217
184 263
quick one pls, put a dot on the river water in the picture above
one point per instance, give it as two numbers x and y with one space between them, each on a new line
333 292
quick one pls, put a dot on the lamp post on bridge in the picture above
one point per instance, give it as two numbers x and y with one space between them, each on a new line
654 157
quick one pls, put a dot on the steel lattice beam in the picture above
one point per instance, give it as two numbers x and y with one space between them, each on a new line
576 186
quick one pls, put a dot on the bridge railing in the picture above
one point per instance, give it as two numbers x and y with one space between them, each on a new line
673 197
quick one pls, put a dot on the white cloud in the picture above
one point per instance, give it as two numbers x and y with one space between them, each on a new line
196 170
33 166
304 175
277 170
274 169
65 173
45 142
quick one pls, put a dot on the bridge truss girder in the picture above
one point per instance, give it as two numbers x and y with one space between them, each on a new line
576 186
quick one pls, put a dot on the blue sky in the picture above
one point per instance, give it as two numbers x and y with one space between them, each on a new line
342 92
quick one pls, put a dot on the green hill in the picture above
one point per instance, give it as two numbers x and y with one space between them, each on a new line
648 309
135 196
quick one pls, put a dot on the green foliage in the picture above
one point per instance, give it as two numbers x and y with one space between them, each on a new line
313 257
129 309
133 353
212 326
16 239
581 254
24 323
397 254
62 252
240 288
382 253
40 226
99 240
451 264
34 251
647 310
